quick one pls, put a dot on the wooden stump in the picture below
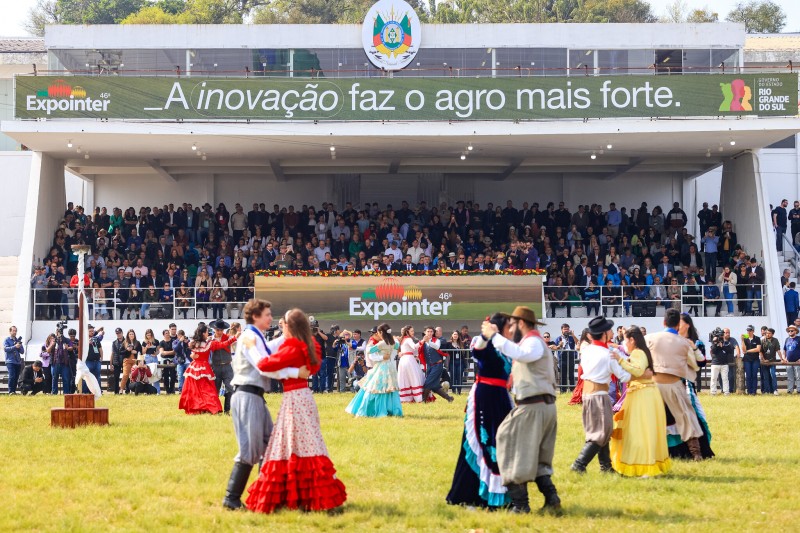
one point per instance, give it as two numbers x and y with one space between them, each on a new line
79 410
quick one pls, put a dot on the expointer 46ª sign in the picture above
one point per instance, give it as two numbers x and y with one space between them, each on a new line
522 98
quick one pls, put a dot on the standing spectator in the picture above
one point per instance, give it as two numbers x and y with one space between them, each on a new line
676 218
735 365
794 219
118 354
453 348
47 360
755 280
566 355
779 221
710 242
791 300
39 282
752 355
721 353
728 281
182 357
133 349
14 350
94 354
61 367
791 354
166 357
33 379
328 368
770 348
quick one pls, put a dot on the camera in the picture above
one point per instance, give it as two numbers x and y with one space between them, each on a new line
60 327
271 332
716 335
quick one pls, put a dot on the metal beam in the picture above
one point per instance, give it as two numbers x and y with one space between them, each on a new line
633 163
155 164
512 166
277 170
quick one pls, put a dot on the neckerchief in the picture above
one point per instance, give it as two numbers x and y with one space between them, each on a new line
260 336
671 330
600 343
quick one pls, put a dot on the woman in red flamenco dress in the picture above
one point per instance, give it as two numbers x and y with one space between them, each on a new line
199 394
297 473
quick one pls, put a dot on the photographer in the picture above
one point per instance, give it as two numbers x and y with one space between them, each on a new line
94 354
317 380
331 355
140 379
721 354
346 357
14 350
567 353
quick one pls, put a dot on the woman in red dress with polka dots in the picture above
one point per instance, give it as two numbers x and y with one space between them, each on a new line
297 472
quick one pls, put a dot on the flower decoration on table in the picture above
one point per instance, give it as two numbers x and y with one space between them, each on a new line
399 273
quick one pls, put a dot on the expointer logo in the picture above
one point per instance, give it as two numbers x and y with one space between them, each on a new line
391 34
390 298
736 96
60 96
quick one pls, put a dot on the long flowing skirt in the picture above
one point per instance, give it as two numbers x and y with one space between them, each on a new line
379 395
297 472
678 448
199 395
577 394
639 440
477 480
410 379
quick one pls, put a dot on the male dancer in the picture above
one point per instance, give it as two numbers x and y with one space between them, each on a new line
598 420
434 365
526 439
221 362
251 419
671 362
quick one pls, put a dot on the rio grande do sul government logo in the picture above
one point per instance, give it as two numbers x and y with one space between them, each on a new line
391 34
61 96
391 299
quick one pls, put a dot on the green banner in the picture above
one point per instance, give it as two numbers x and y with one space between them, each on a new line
403 98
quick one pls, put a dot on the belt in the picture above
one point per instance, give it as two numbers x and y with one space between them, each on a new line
495 382
540 398
590 387
252 389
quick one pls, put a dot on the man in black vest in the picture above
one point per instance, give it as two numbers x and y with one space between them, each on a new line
221 363
118 353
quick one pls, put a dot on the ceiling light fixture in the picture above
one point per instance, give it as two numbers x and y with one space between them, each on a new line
720 149
79 149
69 143
609 146
463 157
333 148
469 147
733 143
708 152
203 157
194 146
86 156
593 156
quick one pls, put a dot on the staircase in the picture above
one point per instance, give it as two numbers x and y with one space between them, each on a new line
8 288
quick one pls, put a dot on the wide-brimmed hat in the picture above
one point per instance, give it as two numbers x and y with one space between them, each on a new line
792 326
525 313
599 325
219 324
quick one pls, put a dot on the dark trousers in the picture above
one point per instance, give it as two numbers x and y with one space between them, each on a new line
791 316
14 370
769 381
63 372
329 370
780 231
170 377
456 371
223 374
94 368
566 367
751 375
48 379
114 385
711 264
142 388
32 388
592 308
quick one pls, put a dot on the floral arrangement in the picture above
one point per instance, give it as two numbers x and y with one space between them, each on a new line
398 273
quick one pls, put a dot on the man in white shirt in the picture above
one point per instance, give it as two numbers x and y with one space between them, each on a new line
598 419
415 251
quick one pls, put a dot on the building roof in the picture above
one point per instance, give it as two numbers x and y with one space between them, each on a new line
22 45
773 42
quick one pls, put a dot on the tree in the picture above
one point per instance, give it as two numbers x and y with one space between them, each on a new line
629 11
762 16
676 12
44 12
699 16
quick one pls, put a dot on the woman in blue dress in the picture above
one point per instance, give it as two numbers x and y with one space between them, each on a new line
477 480
379 393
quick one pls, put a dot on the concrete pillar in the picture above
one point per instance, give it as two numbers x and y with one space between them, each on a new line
744 201
44 209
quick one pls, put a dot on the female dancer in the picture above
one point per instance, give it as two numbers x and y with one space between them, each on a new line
678 448
409 374
477 480
297 471
379 393
199 394
639 440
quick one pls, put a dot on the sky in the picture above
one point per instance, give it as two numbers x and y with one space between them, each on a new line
15 12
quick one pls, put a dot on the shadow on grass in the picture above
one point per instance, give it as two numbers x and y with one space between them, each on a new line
714 479
583 511
376 509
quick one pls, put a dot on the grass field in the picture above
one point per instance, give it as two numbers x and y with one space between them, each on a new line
156 469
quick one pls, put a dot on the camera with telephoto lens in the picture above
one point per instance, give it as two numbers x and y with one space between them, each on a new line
716 335
314 324
60 327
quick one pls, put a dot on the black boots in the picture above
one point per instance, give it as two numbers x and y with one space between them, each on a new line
236 485
441 392
604 457
552 503
519 498
588 452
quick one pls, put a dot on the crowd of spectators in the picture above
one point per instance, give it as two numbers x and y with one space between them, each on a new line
166 262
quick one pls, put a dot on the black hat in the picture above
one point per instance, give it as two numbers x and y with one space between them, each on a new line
118 330
219 324
599 325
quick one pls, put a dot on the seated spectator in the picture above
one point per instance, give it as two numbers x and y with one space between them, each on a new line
711 297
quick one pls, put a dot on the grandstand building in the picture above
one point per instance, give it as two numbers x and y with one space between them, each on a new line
293 115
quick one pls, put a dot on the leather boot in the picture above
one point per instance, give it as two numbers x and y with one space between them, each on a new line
694 448
588 452
552 503
518 493
227 405
441 392
236 485
425 394
604 457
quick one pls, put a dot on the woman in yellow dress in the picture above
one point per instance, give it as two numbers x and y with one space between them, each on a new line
639 440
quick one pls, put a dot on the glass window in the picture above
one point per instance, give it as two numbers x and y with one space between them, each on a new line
531 61
610 62
669 61
728 58
581 62
696 61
